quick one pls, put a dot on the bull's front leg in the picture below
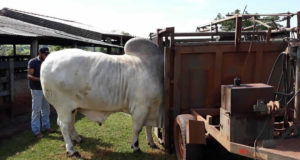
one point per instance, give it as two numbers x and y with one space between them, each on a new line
65 123
138 120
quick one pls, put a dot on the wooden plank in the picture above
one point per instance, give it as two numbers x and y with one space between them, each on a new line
207 111
4 65
262 23
4 79
195 132
22 64
4 93
213 131
274 14
194 40
218 21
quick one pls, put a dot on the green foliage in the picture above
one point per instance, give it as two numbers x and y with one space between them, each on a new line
230 25
122 32
57 48
6 50
23 49
125 33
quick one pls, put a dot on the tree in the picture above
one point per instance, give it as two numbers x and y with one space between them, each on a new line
230 25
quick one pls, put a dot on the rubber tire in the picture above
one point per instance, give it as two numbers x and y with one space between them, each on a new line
185 151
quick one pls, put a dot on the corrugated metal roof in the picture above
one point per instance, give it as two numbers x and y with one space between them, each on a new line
14 27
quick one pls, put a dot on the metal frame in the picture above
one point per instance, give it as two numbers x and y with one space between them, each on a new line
243 150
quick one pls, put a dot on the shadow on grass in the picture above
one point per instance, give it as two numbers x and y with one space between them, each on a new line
22 141
109 154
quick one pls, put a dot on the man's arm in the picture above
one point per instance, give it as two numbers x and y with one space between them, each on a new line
30 75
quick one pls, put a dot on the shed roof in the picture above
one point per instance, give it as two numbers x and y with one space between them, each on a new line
22 25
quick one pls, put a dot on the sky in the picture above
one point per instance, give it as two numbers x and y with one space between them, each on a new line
140 17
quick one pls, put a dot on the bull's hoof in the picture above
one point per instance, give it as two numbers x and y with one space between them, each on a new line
75 154
138 151
100 124
153 146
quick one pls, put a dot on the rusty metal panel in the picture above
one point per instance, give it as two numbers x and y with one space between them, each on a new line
199 70
240 99
238 122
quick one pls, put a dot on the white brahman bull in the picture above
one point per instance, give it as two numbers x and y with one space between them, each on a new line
98 85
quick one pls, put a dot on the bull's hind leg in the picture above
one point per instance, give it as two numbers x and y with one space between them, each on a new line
74 134
149 137
138 120
65 123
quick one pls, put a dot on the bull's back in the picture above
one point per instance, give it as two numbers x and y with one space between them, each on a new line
92 81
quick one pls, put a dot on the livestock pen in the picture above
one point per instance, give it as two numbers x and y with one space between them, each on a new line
203 100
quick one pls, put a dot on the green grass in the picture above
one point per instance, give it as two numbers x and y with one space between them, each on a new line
111 141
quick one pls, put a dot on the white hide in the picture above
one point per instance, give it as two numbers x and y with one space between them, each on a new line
97 84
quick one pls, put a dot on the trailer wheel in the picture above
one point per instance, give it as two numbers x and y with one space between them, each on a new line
185 151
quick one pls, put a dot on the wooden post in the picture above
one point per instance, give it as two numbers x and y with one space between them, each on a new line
101 49
238 30
34 48
75 45
121 41
268 35
108 50
15 52
11 78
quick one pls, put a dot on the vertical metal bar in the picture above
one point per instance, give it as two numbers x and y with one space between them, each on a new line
298 25
269 35
297 98
238 30
288 22
159 40
167 87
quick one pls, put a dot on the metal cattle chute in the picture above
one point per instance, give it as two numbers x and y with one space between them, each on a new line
239 87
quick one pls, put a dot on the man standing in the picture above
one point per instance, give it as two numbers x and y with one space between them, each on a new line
40 105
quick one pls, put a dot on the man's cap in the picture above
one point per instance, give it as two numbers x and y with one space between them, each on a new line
44 50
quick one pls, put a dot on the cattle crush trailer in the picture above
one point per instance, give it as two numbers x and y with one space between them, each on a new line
239 88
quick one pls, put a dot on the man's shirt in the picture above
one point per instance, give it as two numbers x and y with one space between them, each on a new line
35 64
